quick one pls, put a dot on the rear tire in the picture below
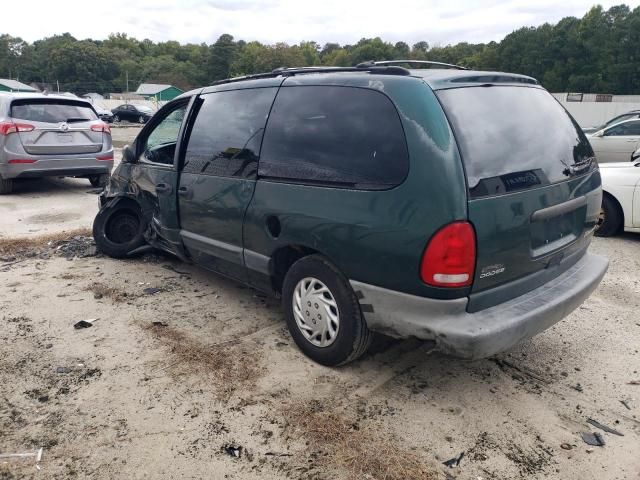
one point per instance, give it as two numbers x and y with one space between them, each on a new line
119 230
348 338
99 180
140 119
6 186
611 218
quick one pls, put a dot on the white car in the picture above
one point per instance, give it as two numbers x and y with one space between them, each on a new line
621 197
617 142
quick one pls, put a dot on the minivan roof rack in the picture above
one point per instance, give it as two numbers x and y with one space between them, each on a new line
417 62
287 72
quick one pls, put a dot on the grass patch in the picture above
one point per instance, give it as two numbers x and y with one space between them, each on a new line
355 452
229 366
102 290
14 247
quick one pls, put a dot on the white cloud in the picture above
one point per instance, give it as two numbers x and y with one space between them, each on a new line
343 21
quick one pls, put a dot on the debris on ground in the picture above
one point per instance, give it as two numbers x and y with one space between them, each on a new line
79 246
626 404
63 370
566 446
232 450
634 382
577 387
159 324
594 439
599 425
455 461
84 323
37 455
174 269
151 291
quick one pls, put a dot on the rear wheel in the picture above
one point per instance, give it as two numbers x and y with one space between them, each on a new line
322 312
610 218
119 230
6 186
99 180
140 119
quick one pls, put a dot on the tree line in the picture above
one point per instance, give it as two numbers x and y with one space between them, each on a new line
599 52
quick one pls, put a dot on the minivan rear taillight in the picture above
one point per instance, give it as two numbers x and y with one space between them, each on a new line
101 127
7 128
450 257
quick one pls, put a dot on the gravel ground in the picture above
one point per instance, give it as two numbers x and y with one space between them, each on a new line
201 380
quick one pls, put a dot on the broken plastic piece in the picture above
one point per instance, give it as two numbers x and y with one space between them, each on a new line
599 425
594 439
455 461
233 450
151 291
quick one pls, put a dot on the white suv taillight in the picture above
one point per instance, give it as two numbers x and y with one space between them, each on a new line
7 128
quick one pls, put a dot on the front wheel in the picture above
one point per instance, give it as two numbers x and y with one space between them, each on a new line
99 180
322 312
141 119
119 230
610 219
116 119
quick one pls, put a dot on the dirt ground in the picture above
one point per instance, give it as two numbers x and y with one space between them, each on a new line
184 374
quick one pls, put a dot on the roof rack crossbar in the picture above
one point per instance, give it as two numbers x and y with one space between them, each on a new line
287 72
417 62
384 69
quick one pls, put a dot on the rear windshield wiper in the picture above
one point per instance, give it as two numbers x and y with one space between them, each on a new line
77 119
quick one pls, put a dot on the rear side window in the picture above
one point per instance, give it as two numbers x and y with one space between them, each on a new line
626 129
52 111
226 135
339 136
514 138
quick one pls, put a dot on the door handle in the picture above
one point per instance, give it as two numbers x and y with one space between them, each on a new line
185 192
163 188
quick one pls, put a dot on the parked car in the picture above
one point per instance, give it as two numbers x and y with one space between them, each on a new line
47 135
345 192
617 142
617 119
132 113
104 114
621 197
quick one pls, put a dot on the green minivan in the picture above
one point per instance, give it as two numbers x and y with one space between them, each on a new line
440 203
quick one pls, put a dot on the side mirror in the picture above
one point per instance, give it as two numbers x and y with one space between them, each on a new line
599 133
128 155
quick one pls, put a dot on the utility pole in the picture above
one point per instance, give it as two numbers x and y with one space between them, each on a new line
127 81
58 84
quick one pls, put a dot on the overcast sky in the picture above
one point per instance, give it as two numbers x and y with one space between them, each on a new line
270 21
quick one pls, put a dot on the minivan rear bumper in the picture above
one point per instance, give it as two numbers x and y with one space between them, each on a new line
486 332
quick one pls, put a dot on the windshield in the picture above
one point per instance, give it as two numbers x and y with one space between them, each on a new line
619 119
514 138
52 111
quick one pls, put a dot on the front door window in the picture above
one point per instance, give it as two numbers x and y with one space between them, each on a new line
160 145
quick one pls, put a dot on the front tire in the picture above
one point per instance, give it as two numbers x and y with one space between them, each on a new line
119 230
116 119
611 219
141 119
6 186
99 180
322 312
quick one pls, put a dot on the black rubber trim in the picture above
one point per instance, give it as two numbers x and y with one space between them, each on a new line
64 172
